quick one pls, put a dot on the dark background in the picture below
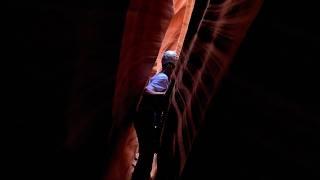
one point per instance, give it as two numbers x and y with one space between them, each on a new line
263 123
63 59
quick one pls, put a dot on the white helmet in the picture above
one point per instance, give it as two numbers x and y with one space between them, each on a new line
169 57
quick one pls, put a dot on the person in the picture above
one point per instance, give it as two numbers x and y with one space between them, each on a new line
149 116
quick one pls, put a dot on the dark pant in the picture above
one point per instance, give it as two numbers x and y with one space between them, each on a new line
148 127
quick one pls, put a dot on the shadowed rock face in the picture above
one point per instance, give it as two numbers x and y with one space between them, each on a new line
207 54
264 119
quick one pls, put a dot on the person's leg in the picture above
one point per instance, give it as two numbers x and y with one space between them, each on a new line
144 130
157 128
167 164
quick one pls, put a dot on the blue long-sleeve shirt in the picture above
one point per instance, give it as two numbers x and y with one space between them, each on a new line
158 84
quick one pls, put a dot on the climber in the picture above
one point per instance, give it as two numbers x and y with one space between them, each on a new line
150 110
